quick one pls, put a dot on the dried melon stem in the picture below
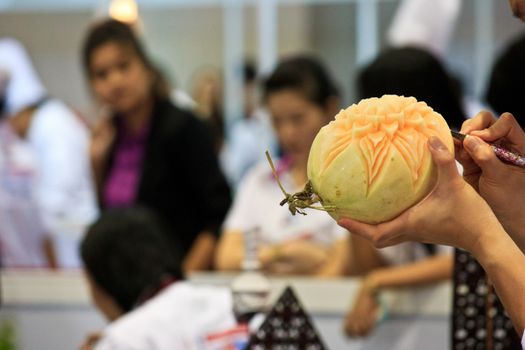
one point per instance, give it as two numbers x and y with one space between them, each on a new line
299 200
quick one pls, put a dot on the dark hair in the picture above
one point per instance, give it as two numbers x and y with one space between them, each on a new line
413 72
249 72
125 252
305 75
113 31
507 82
2 105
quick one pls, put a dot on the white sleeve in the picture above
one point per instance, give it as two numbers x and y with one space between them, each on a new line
424 23
242 214
444 249
523 341
65 189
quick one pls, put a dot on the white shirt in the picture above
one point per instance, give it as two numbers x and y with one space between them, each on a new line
256 205
248 139
65 190
21 230
180 317
423 23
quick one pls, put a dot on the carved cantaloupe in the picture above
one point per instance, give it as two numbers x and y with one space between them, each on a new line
372 162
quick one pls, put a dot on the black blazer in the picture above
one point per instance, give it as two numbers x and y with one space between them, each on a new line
181 179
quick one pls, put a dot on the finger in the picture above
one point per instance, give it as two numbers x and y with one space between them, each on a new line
482 153
506 127
367 326
480 121
350 327
444 161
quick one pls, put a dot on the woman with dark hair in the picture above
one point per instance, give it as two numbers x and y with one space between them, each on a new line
301 98
150 152
413 72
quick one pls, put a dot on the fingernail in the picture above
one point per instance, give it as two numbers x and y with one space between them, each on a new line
472 142
436 144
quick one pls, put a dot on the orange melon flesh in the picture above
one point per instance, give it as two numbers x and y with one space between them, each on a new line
372 162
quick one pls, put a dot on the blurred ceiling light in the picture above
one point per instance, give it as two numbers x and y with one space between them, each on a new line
124 10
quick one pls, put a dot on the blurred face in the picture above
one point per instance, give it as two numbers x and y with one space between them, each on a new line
104 303
296 122
119 78
518 8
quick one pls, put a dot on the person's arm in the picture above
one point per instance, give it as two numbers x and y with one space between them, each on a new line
230 251
484 171
337 260
291 257
454 214
200 256
504 261
430 270
361 319
102 136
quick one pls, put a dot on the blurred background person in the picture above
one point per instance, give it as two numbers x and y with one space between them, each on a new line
427 25
150 152
136 281
59 140
409 72
507 80
301 97
430 26
412 71
206 91
22 233
251 135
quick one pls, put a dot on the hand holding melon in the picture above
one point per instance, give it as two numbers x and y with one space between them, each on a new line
372 162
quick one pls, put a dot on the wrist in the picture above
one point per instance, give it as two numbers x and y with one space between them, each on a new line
491 245
269 254
371 284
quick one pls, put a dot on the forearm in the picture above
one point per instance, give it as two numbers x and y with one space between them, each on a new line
200 257
337 261
516 229
504 261
430 270
230 252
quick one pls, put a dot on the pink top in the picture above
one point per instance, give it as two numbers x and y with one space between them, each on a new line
120 189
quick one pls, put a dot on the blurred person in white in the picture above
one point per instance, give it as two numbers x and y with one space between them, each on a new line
135 280
301 98
429 25
22 235
251 135
59 140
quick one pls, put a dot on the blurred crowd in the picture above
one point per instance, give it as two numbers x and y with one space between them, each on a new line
157 187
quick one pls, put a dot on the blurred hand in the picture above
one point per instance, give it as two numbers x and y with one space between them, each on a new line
90 341
452 214
360 321
102 137
293 257
500 184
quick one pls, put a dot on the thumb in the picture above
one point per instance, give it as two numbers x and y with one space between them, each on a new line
444 160
483 155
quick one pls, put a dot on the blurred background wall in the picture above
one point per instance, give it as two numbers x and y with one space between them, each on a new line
186 35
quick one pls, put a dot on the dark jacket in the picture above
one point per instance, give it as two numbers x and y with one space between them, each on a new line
181 179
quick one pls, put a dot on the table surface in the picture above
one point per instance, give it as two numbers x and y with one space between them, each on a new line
53 309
